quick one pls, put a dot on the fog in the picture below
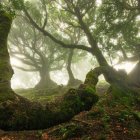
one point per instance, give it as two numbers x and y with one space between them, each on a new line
22 79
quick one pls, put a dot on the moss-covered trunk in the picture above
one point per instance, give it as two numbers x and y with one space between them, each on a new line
6 71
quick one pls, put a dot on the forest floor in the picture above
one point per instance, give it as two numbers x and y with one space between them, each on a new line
107 120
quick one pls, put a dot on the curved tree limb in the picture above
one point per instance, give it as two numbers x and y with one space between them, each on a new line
83 47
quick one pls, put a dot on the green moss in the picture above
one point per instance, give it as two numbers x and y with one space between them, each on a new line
5 67
88 97
6 113
70 105
92 79
19 120
8 15
6 95
90 90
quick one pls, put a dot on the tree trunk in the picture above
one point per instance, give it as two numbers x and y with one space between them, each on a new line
6 71
45 80
110 74
96 51
72 81
71 76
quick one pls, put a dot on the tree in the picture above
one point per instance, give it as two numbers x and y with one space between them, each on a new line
73 55
22 114
6 71
36 52
118 26
18 113
71 35
75 11
79 13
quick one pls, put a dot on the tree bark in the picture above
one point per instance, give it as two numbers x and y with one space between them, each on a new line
6 71
93 43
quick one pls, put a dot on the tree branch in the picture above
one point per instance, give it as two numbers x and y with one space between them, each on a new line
24 69
73 46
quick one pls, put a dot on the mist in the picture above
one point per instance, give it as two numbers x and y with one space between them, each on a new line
25 80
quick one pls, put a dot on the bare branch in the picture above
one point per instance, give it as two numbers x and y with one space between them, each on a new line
24 69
